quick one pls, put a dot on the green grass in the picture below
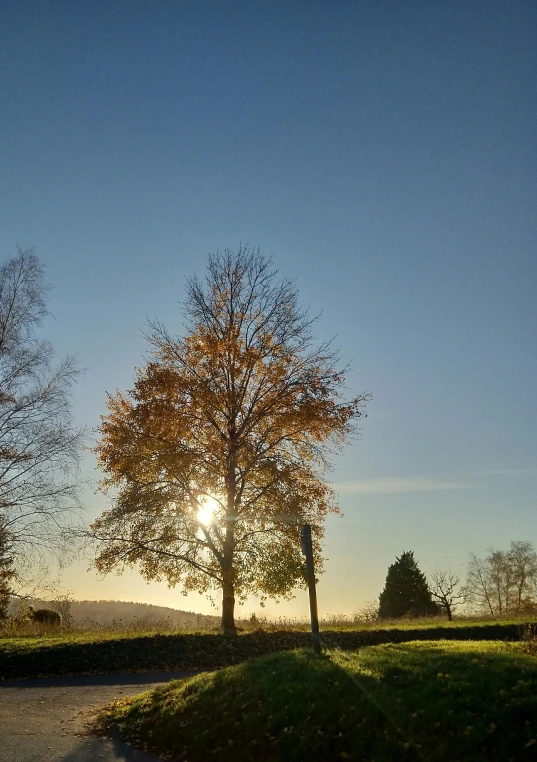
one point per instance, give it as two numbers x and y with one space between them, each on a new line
432 622
434 701
341 623
41 633
76 653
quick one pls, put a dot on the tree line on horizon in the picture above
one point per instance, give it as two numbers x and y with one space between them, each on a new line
115 614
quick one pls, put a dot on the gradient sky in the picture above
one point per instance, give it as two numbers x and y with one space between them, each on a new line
384 154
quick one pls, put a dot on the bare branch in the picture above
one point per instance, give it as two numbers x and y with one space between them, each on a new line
39 448
445 588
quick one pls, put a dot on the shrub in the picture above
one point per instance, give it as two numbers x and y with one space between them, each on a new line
46 616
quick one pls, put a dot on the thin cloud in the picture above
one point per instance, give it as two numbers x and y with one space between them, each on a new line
393 485
506 472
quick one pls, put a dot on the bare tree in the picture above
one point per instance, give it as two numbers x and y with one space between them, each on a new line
505 580
522 559
7 571
501 579
369 612
39 447
445 587
478 584
33 579
62 604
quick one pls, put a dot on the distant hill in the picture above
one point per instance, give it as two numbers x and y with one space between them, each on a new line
108 613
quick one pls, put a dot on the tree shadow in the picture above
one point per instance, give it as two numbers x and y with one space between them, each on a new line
400 702
110 749
120 680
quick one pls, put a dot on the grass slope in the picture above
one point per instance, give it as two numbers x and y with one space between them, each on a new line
433 701
100 653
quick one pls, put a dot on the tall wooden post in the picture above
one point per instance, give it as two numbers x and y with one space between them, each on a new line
307 550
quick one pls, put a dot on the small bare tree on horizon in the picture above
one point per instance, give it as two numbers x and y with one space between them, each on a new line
446 589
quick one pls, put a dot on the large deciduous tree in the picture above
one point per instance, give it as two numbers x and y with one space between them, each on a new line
39 447
218 454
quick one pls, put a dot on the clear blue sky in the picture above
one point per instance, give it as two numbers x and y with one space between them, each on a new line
384 154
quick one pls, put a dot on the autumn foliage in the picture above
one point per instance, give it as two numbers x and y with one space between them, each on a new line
243 413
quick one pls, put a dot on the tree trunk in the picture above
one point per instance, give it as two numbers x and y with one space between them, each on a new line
228 606
448 612
228 581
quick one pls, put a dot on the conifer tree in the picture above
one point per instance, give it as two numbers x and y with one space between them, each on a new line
405 590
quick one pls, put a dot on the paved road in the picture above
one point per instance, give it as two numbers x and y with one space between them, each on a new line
44 720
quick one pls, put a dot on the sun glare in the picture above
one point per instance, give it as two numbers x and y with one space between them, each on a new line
208 508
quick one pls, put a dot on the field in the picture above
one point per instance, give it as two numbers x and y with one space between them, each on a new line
43 651
434 701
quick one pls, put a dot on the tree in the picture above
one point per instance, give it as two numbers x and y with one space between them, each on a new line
63 605
446 590
478 584
522 559
504 581
500 579
38 445
405 590
7 571
368 613
218 454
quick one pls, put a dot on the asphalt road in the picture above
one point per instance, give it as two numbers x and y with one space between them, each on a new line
44 720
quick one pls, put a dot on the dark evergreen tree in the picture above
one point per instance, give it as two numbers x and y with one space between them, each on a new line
6 568
406 591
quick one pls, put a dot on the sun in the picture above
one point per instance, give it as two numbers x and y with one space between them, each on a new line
208 507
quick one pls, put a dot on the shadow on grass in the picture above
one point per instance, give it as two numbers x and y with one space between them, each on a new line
206 651
420 701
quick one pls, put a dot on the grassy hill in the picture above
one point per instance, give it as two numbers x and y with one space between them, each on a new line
434 701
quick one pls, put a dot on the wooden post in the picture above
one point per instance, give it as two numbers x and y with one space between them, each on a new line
307 550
